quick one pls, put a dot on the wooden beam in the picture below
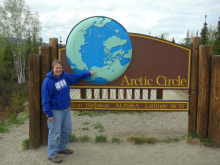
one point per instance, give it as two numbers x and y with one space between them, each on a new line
44 52
34 102
214 108
54 48
193 92
205 53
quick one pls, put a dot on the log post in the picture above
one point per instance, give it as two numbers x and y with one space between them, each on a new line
205 53
192 121
54 48
44 52
214 110
34 102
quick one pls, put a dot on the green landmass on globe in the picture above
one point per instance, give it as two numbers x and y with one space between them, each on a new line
99 44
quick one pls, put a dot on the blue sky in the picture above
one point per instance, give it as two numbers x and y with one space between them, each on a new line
175 17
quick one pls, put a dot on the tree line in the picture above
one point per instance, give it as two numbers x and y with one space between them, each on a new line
209 34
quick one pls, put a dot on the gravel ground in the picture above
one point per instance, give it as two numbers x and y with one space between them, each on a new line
157 124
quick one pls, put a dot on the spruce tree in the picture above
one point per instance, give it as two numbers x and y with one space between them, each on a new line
216 44
204 34
173 40
187 40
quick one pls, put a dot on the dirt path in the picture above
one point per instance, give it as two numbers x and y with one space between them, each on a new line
155 124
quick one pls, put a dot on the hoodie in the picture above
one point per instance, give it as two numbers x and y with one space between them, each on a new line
56 90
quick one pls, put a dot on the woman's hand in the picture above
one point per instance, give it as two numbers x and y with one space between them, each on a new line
51 119
92 73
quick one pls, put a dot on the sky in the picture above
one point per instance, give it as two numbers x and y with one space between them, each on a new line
153 17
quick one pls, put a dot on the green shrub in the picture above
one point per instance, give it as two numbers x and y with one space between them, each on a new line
85 123
72 138
99 126
3 128
115 139
141 140
100 138
85 128
84 138
25 144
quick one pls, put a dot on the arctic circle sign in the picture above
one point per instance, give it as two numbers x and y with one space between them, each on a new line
99 44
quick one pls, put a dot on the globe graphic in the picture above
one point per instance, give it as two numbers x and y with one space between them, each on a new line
101 45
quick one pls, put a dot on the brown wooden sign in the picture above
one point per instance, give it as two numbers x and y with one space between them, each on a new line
131 105
155 63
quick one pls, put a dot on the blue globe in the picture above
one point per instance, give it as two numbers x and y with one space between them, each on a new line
99 44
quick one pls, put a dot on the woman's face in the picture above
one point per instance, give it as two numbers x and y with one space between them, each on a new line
57 70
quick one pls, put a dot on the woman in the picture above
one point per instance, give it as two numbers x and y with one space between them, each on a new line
56 102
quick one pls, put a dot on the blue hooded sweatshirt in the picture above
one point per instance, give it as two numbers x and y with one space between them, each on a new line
56 91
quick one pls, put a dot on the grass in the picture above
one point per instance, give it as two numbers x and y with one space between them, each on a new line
99 126
116 139
25 144
86 123
74 138
12 98
193 139
14 119
100 138
85 128
4 128
169 139
207 142
142 140
84 138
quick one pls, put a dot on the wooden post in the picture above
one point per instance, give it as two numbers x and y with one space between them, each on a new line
149 94
205 53
44 52
214 110
141 93
34 102
192 121
93 93
133 93
109 93
83 93
54 48
125 93
159 94
100 92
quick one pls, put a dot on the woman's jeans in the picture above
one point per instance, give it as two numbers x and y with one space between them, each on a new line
59 131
